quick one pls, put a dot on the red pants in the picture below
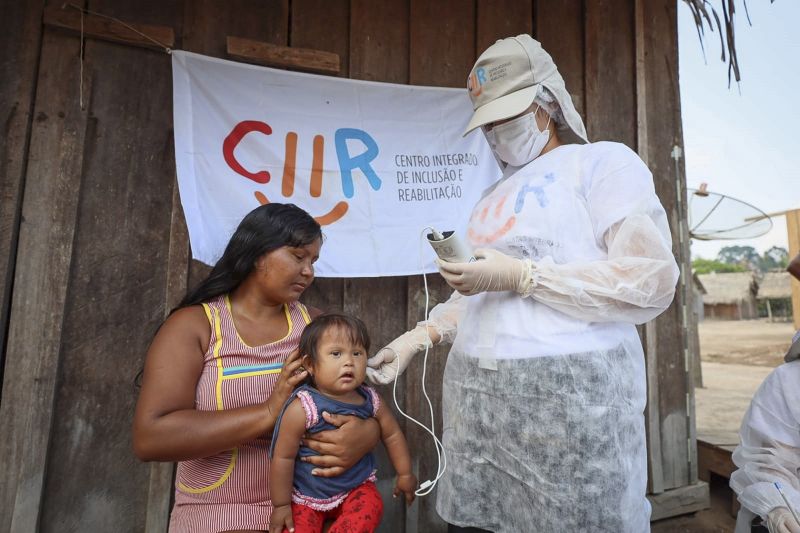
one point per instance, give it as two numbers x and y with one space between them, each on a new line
360 512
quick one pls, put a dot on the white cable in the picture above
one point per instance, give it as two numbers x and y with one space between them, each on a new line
441 458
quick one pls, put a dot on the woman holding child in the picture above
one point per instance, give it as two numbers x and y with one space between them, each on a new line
220 369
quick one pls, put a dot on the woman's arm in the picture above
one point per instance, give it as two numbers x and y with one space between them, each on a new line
341 448
281 470
166 425
397 448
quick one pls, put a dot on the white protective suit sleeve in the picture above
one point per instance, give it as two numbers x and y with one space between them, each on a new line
442 325
635 284
444 317
769 450
637 280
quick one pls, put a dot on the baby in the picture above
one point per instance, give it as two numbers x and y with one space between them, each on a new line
334 351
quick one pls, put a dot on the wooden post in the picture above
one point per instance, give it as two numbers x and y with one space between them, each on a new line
669 357
793 229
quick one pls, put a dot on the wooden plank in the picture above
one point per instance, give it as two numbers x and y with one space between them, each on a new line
682 500
445 56
379 40
442 57
160 487
324 26
381 304
20 43
39 302
655 472
272 55
379 51
609 71
117 283
560 29
658 96
714 459
207 25
498 19
69 18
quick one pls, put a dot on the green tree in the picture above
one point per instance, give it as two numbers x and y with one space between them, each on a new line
745 256
776 257
707 266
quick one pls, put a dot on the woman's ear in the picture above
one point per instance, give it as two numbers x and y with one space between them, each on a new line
261 262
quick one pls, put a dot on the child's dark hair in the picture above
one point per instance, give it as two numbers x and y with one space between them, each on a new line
354 328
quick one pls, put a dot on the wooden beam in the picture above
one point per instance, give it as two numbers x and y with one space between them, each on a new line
683 500
69 18
272 55
770 215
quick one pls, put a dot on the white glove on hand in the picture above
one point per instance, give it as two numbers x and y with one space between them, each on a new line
391 361
493 271
781 520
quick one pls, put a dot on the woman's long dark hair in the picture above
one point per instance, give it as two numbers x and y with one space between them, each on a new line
264 229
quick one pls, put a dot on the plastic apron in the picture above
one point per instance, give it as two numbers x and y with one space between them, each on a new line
543 413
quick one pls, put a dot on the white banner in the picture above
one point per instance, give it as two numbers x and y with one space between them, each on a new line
374 163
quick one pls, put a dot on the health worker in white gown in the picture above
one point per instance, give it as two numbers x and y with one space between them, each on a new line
544 387
769 452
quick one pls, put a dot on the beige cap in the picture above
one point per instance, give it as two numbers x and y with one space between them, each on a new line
506 78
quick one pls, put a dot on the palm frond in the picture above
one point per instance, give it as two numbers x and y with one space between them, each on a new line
702 12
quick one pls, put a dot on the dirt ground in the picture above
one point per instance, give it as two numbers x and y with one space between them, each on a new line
745 342
736 356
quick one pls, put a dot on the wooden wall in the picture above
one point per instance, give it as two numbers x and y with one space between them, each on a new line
94 251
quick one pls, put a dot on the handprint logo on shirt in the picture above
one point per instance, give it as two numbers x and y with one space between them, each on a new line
491 208
535 186
347 164
497 226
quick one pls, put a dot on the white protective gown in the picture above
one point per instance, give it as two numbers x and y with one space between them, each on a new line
543 396
769 450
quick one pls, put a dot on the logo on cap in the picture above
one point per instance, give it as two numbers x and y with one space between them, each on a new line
476 81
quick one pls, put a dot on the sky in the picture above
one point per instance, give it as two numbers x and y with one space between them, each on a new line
743 140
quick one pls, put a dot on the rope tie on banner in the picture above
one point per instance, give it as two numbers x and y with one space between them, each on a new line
87 11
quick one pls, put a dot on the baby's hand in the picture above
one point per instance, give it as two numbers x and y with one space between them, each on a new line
406 484
281 518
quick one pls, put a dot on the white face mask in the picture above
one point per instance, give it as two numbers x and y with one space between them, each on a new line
519 141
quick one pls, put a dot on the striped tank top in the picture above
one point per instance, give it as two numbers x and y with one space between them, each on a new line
230 490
